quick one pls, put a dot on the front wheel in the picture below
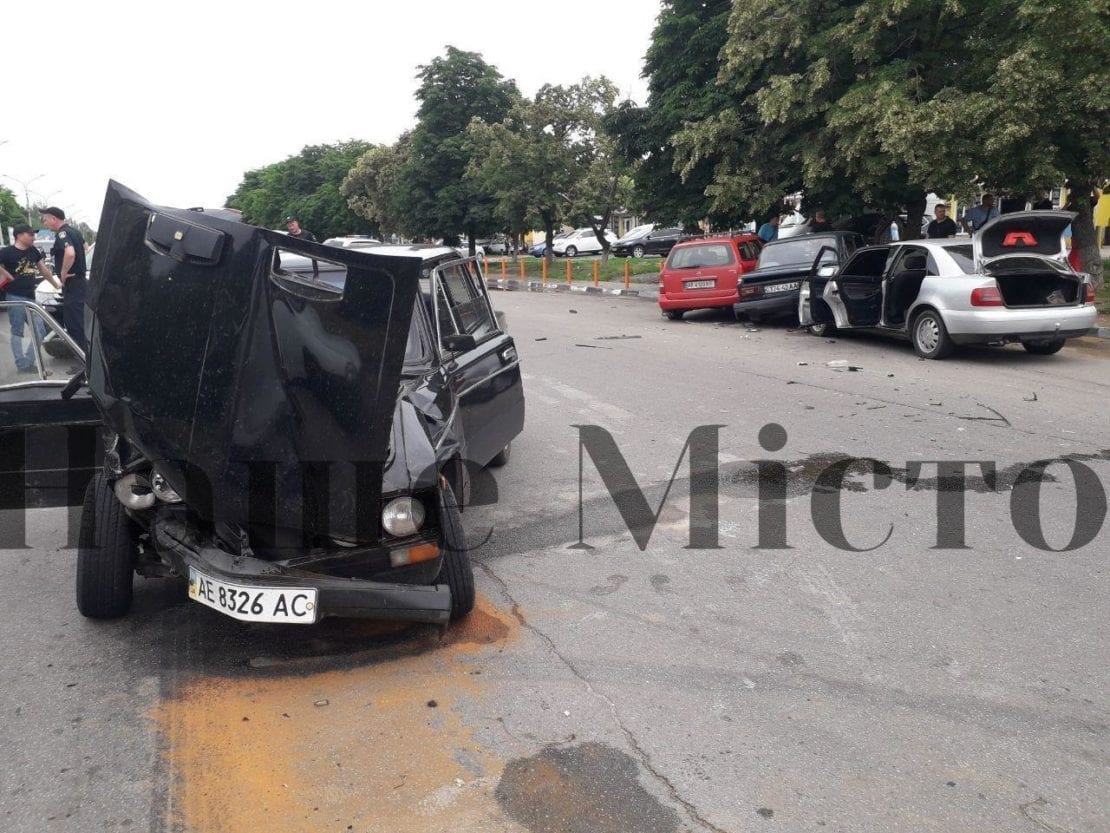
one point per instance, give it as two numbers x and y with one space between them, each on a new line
674 314
637 251
501 457
825 328
457 572
930 336
107 548
1043 348
571 251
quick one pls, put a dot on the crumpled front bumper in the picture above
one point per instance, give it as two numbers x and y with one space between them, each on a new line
337 596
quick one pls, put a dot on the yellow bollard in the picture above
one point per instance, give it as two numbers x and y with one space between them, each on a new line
597 272
522 268
485 265
627 273
568 272
504 267
543 270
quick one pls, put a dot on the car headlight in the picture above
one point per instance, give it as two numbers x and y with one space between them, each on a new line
403 516
162 489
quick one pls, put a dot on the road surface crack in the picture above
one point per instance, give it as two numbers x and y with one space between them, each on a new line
641 754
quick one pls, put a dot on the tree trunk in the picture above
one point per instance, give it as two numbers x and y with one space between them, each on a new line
1084 236
914 212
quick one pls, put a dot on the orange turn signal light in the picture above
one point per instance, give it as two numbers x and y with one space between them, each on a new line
413 555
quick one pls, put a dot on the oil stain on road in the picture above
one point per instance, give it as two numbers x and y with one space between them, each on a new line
381 743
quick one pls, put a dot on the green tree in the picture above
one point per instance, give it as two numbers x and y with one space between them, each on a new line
550 159
441 201
306 185
867 102
681 66
373 189
11 212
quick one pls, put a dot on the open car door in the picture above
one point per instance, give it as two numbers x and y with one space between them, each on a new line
49 444
854 294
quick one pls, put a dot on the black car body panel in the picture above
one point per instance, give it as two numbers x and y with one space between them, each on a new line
657 242
771 289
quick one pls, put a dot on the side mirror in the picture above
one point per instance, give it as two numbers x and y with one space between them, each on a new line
826 271
459 342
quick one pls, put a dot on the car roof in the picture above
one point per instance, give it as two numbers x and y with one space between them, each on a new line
812 234
718 238
422 250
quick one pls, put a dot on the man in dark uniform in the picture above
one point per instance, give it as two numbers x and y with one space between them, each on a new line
69 265
293 226
941 225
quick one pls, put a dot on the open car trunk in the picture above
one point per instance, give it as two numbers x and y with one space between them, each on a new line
1038 288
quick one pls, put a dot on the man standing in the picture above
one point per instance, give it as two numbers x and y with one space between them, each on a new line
820 222
770 230
69 265
980 215
293 225
941 225
18 265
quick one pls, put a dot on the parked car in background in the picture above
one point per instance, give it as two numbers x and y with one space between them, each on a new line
581 241
1010 282
704 273
657 241
538 248
354 241
792 223
771 289
497 245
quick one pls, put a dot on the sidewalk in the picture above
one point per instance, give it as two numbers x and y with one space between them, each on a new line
646 291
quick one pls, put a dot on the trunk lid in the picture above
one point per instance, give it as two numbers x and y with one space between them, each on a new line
1024 235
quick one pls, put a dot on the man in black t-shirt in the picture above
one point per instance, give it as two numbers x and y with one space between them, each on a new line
941 225
20 264
69 264
293 226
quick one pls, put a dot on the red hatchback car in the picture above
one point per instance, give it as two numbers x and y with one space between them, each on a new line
705 273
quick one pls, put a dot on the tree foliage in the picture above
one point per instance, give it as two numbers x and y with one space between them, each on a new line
872 102
306 185
11 212
373 190
440 201
550 159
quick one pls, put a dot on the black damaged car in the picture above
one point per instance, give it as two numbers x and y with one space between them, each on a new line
290 427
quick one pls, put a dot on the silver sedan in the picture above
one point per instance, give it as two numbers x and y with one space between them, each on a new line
1011 282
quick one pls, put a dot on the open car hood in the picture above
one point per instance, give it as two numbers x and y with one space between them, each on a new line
1021 234
247 385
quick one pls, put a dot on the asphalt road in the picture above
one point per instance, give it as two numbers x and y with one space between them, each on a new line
601 686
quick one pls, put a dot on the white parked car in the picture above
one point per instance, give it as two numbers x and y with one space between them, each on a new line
1010 282
581 241
355 241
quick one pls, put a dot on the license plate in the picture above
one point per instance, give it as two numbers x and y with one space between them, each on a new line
250 603
781 287
700 284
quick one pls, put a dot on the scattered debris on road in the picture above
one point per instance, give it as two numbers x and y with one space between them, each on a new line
1032 399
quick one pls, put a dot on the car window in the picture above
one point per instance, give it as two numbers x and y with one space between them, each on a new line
749 251
797 250
465 301
964 256
870 263
695 257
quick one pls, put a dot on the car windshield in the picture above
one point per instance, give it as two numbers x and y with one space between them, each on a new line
797 250
696 257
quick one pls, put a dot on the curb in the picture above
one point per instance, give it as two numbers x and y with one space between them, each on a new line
517 285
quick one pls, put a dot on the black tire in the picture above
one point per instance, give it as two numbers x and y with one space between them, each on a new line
637 251
572 251
501 457
674 314
56 348
107 548
929 336
457 572
1043 348
825 328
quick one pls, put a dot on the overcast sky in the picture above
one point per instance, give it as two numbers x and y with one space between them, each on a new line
178 100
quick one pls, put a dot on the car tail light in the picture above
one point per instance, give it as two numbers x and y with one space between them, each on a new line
750 291
1089 298
986 296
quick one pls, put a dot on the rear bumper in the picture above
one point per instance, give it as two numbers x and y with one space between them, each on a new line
346 597
697 299
781 303
971 327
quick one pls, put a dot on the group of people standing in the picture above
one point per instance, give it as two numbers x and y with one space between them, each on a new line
22 264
